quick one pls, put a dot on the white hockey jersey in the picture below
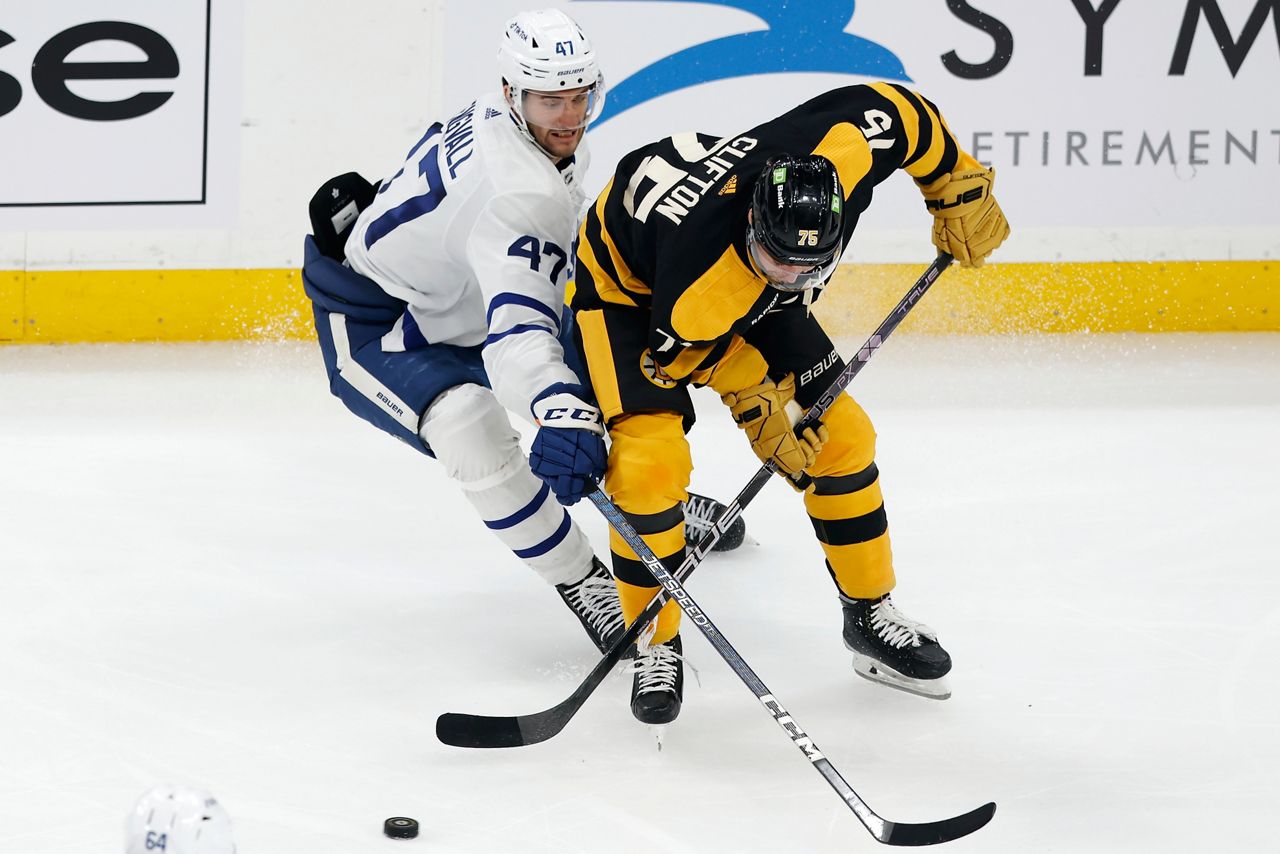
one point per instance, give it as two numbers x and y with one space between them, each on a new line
475 232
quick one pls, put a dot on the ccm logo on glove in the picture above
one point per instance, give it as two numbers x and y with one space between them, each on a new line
568 452
563 413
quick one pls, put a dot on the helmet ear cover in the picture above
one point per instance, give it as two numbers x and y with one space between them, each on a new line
797 210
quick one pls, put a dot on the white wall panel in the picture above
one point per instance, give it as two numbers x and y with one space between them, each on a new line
321 86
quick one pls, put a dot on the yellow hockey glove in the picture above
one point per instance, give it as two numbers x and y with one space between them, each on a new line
968 223
761 411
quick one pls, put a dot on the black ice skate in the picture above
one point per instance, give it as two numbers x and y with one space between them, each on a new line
700 512
658 687
594 600
890 649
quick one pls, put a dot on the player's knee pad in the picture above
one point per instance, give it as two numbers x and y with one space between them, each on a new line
852 445
846 506
649 462
472 437
648 478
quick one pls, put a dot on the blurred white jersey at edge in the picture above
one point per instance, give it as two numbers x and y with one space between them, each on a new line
177 820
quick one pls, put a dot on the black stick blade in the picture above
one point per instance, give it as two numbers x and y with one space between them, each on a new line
463 730
936 832
459 730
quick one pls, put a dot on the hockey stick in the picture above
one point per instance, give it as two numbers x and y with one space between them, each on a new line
484 731
888 832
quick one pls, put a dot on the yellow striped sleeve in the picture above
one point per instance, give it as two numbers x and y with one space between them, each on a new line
846 147
931 159
907 115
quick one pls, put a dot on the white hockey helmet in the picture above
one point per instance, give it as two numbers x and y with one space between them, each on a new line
546 51
178 820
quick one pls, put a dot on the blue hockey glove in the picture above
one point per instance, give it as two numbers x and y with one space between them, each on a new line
568 452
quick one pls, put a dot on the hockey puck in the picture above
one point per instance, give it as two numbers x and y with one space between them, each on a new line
399 827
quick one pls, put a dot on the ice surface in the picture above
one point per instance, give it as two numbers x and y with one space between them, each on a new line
211 573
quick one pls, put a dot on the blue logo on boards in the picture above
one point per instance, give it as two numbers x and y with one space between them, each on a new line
802 36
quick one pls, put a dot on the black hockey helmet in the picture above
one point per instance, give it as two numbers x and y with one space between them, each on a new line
797 216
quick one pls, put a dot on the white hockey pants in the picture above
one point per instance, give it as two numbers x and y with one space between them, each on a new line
471 435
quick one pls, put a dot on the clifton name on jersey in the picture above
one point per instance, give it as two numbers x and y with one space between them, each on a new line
668 234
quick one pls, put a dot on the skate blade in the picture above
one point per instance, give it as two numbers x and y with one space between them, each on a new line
658 731
875 671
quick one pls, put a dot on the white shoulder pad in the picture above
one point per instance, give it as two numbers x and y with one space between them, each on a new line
514 163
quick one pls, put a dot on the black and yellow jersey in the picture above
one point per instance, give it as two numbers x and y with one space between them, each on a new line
668 234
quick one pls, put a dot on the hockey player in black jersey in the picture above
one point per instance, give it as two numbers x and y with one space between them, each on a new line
698 265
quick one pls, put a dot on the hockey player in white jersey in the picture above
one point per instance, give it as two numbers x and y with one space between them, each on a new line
449 310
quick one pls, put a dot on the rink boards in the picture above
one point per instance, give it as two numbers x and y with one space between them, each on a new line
268 304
